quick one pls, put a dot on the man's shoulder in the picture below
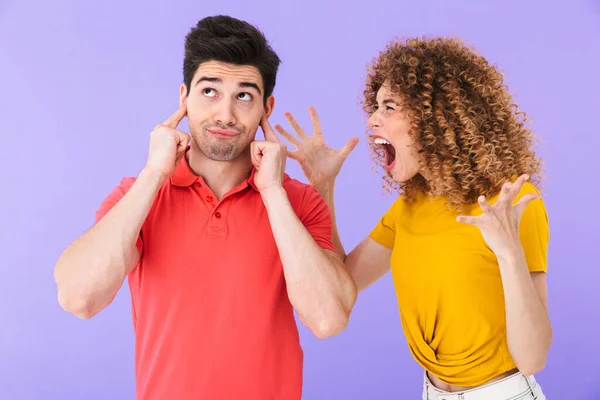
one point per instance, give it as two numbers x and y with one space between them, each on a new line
127 182
295 188
304 198
119 190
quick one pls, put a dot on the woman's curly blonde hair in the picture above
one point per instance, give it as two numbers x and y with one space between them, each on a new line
473 136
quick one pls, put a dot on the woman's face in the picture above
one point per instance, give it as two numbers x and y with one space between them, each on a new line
390 125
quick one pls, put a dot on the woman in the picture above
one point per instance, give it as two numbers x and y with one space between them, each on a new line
467 238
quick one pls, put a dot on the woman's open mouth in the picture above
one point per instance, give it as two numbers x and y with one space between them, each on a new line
390 152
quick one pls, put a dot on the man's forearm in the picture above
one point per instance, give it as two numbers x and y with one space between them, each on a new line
529 332
319 287
91 270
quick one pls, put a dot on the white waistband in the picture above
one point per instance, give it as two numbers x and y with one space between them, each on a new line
511 387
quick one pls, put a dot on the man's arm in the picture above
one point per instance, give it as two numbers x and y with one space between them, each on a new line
91 270
319 284
370 260
319 287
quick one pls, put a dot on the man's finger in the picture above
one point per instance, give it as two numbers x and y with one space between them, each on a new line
348 147
184 138
174 120
255 154
267 130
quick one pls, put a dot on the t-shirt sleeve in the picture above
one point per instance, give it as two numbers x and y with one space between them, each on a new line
112 199
384 232
317 220
534 231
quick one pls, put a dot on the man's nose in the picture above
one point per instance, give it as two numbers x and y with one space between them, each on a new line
225 113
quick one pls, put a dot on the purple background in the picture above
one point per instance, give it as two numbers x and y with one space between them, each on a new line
82 85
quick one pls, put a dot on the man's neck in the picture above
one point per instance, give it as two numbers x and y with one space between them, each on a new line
220 176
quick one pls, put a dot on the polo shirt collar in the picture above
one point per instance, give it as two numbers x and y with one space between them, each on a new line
184 176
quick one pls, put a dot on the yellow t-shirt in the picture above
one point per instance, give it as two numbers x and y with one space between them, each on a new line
449 287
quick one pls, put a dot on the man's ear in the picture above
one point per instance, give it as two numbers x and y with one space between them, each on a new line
269 106
182 94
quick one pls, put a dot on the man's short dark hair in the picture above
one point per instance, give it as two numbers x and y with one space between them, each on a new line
229 40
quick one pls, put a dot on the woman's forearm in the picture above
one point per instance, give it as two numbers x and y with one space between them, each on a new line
528 327
327 192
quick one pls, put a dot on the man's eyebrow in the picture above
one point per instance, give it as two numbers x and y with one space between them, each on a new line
208 79
250 85
218 80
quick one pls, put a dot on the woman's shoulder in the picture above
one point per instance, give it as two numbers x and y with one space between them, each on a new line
526 188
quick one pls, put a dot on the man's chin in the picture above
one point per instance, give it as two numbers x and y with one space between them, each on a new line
220 156
221 153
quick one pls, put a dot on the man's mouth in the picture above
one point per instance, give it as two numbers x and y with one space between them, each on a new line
223 133
390 152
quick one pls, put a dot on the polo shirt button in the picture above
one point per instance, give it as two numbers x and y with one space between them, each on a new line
218 214
209 198
198 184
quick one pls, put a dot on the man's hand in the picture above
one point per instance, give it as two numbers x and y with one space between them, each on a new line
168 144
269 157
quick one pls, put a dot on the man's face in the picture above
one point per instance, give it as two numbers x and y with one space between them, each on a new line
224 108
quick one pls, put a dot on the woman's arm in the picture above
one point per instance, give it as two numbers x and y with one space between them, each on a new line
528 327
368 261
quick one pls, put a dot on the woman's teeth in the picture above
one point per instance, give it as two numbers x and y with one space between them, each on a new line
381 141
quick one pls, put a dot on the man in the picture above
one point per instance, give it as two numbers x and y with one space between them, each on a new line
219 244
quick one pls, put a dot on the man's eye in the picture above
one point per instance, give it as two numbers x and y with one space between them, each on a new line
245 96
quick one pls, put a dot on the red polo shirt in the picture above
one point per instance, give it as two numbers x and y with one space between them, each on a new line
211 314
